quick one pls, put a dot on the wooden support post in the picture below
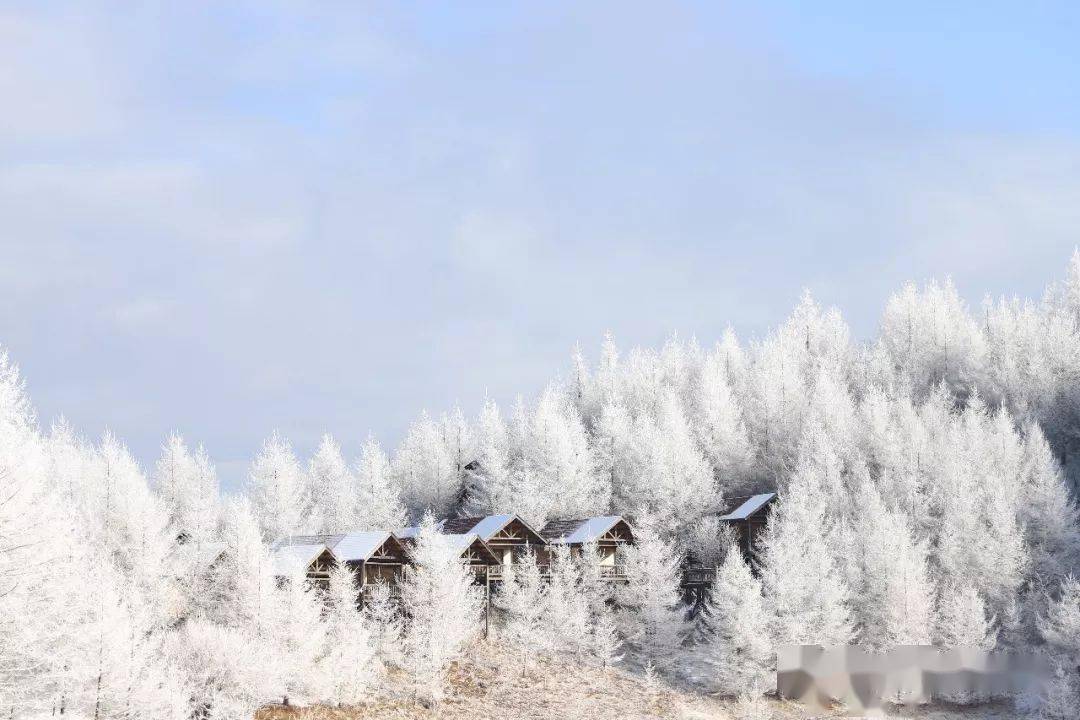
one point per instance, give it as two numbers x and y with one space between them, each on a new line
487 601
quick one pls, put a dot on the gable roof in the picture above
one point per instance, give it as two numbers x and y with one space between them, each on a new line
577 531
357 546
749 507
486 527
460 541
470 541
360 546
292 560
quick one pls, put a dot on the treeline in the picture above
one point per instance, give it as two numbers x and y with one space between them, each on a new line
923 498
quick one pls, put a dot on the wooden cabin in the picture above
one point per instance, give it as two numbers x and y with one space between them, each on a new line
302 557
609 532
749 516
374 556
476 553
507 536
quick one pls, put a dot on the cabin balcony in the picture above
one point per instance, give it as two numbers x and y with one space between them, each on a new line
496 572
698 576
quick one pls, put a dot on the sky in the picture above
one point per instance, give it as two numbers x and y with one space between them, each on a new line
222 219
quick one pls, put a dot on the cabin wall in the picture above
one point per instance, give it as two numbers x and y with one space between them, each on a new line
389 574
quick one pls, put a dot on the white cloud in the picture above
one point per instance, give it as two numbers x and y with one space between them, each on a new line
340 216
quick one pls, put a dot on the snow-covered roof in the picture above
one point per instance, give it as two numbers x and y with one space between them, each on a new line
461 541
575 532
749 507
290 560
359 546
407 533
490 525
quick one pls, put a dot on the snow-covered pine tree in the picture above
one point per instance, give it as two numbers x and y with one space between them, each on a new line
523 599
893 602
426 469
602 643
1047 514
1060 629
378 504
442 604
188 488
566 607
556 459
382 613
717 423
349 660
808 598
961 619
489 480
739 653
650 615
278 491
332 487
298 640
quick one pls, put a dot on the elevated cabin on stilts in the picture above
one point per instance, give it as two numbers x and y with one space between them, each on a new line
507 536
609 532
749 517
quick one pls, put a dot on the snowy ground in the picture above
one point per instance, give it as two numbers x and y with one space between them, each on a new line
486 687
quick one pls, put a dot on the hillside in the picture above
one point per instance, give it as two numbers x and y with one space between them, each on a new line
490 685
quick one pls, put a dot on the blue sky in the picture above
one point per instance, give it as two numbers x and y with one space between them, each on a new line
226 218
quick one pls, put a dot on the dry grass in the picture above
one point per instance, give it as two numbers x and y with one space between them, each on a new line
490 686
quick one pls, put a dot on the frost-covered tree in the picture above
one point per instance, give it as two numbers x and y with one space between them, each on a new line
278 491
522 598
298 636
382 613
962 620
931 339
894 596
332 488
43 613
662 472
443 607
427 470
739 653
566 607
717 422
651 616
349 660
707 540
187 485
220 676
1047 513
808 597
556 461
489 478
1060 629
378 504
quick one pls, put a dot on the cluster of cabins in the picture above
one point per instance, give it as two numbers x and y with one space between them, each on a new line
487 545
490 544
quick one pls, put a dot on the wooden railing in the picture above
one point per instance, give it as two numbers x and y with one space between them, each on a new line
699 576
496 572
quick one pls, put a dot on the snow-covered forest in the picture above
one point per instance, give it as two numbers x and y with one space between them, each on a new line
925 480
